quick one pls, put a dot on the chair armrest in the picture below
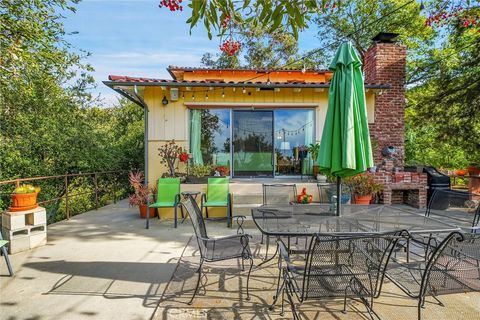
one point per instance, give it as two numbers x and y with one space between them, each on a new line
203 198
177 198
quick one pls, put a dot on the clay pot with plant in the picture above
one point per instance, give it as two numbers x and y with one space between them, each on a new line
314 149
363 187
142 194
24 197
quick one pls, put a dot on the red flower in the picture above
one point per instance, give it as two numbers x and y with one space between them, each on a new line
183 157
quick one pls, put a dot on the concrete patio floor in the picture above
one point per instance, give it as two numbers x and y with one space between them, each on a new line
104 264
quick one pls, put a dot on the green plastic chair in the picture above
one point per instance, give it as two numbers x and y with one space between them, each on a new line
3 249
218 195
168 195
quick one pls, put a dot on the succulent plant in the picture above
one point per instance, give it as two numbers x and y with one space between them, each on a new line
26 188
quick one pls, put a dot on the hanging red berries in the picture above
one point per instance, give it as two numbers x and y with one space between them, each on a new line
230 47
173 5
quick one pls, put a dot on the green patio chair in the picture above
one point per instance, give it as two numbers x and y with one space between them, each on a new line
3 246
168 196
218 195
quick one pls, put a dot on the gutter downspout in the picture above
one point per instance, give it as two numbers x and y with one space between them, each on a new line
145 145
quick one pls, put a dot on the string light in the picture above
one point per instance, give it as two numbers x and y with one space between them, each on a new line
193 95
223 93
244 90
206 96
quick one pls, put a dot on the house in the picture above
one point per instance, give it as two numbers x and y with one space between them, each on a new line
255 122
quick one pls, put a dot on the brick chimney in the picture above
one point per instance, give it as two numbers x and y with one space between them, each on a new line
385 62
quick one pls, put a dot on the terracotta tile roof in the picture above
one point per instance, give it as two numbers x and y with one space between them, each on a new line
167 82
246 69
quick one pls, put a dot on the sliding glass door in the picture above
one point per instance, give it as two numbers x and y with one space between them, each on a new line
252 143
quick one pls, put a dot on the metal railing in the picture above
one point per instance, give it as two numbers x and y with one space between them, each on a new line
63 189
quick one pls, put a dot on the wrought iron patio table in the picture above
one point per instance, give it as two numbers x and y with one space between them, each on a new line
305 220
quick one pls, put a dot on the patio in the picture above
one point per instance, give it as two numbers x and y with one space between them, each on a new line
104 264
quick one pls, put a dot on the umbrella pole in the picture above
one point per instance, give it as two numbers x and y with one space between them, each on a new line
339 196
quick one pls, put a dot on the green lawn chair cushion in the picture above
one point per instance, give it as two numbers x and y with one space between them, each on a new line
167 189
163 204
217 192
3 242
215 204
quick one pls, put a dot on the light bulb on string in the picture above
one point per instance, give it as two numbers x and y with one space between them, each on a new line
193 96
223 93
206 96
244 90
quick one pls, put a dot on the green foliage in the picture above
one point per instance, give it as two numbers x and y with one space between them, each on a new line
313 149
199 170
49 123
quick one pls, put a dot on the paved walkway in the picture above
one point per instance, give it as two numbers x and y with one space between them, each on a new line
104 265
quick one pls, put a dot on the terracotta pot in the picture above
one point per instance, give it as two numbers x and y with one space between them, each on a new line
315 170
24 201
143 212
460 172
362 199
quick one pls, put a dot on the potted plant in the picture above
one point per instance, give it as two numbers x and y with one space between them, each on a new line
363 187
24 197
223 171
313 149
198 173
170 153
142 194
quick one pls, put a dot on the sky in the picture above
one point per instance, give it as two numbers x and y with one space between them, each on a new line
137 38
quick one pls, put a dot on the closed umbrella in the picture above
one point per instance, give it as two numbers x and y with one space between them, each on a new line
345 148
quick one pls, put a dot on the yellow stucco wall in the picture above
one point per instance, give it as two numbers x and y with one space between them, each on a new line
171 121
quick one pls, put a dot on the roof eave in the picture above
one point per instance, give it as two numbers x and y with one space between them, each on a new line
112 84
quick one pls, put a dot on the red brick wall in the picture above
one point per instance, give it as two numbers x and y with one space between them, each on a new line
385 63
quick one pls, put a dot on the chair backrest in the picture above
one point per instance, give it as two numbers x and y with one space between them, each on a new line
454 266
279 194
167 189
332 261
217 189
459 207
326 191
196 218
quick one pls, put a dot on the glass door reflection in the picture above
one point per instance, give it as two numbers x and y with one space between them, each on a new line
252 143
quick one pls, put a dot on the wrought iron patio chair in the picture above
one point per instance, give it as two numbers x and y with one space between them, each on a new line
328 191
3 250
337 266
276 195
218 248
454 207
451 267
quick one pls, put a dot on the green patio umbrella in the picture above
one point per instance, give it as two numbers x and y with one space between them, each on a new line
345 149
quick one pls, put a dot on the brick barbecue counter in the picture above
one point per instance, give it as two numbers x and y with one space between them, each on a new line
403 187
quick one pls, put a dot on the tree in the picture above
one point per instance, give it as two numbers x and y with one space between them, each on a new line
263 50
448 94
294 16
